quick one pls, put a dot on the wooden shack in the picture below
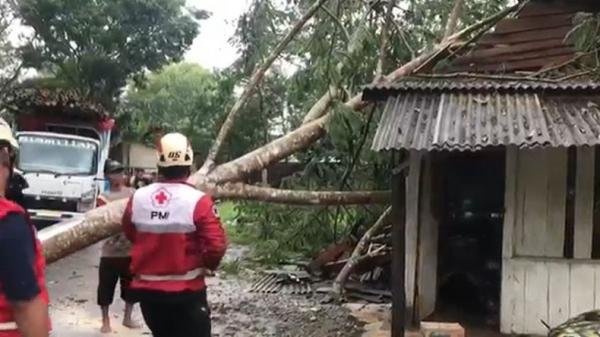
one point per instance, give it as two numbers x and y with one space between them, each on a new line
521 146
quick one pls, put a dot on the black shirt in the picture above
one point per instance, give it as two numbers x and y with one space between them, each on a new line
17 254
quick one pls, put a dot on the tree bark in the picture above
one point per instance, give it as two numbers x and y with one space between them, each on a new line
276 150
453 18
384 41
255 80
340 280
240 191
323 105
69 237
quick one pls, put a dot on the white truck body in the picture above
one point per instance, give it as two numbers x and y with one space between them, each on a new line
64 173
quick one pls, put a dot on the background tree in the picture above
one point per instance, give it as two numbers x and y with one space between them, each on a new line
187 98
10 64
95 46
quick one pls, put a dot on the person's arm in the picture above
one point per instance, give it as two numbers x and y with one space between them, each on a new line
211 235
18 279
31 317
126 223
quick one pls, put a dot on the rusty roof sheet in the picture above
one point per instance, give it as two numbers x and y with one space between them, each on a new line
471 121
378 91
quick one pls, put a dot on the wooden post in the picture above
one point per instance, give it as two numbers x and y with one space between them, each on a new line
398 253
584 203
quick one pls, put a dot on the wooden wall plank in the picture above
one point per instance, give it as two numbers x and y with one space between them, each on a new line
479 54
532 55
512 304
538 63
534 35
543 8
536 297
513 25
428 245
412 221
581 288
596 286
584 203
557 202
559 302
535 205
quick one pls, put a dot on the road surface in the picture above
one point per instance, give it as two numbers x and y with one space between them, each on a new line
236 313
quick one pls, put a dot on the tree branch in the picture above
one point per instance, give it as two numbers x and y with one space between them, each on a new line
384 41
452 22
256 78
340 280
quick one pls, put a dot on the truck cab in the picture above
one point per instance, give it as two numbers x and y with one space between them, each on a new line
63 172
64 141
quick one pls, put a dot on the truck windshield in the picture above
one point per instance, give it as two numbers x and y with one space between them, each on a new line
57 155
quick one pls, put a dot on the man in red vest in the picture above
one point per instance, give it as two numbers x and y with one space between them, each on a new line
23 294
177 240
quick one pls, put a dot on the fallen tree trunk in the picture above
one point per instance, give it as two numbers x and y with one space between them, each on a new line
102 222
357 254
71 236
293 197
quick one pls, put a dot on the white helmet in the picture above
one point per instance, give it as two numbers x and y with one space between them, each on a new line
6 135
174 149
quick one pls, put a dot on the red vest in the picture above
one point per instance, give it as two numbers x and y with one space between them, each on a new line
165 255
6 315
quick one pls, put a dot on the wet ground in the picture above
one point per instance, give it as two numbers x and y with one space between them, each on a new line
236 313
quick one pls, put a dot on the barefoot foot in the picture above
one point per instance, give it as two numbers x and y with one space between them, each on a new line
131 324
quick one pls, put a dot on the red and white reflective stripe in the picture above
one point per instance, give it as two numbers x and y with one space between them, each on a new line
8 326
190 275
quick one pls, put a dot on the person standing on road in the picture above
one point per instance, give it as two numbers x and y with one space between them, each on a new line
115 259
177 240
23 294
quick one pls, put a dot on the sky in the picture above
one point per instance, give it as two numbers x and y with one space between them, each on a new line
211 48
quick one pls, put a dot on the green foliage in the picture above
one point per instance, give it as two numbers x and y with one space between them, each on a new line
339 47
186 98
97 45
585 35
9 62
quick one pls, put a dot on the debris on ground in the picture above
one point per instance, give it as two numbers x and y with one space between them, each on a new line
272 282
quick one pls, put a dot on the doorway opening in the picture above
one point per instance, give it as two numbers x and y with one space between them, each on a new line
470 238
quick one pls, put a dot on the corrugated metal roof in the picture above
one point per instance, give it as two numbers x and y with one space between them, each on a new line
478 84
474 120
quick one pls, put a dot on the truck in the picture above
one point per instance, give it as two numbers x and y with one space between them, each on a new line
63 146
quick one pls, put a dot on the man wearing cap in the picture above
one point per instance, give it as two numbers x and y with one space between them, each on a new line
177 240
23 294
115 259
